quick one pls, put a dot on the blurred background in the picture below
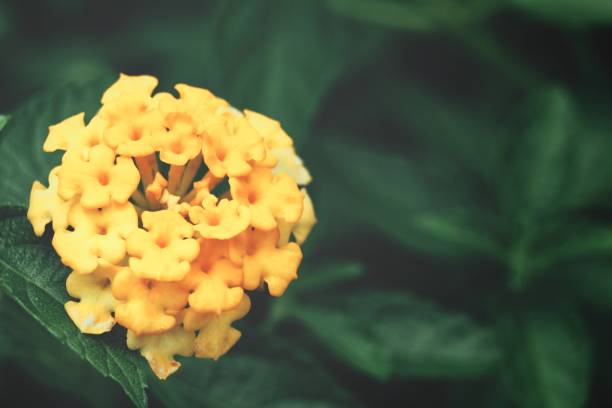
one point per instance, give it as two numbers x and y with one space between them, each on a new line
461 154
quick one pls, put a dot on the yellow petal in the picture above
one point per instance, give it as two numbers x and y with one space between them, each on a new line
289 162
64 133
47 206
92 313
216 335
160 349
130 84
302 228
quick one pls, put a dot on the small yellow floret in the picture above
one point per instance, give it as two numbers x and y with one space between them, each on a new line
270 197
96 235
99 180
92 314
216 335
214 279
222 221
47 206
164 249
160 349
265 261
232 146
147 306
182 142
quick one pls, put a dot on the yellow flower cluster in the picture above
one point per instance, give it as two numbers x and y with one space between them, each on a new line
167 209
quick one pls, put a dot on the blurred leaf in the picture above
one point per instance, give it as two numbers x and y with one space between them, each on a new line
474 139
326 276
419 203
592 282
281 58
23 137
542 154
570 12
550 358
387 334
3 121
40 355
31 274
241 380
416 15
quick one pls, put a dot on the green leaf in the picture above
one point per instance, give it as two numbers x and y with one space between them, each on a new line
394 334
31 274
546 145
39 355
415 15
570 12
272 57
592 282
3 121
22 139
549 358
325 276
421 203
241 380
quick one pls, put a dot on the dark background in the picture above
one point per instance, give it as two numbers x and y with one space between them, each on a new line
462 160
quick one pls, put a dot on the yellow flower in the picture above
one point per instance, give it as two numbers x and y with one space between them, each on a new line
160 349
72 134
140 85
290 163
301 229
216 334
134 123
99 180
231 147
47 206
264 261
182 142
147 306
167 252
95 235
214 279
270 197
93 313
164 249
222 221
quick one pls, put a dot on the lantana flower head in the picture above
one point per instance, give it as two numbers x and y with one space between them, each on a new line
168 209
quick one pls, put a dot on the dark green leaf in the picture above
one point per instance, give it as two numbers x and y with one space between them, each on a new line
23 137
421 203
39 354
415 15
387 334
3 120
540 174
592 282
270 57
241 380
550 358
326 276
31 274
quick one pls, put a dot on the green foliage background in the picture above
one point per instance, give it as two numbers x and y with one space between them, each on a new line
462 177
